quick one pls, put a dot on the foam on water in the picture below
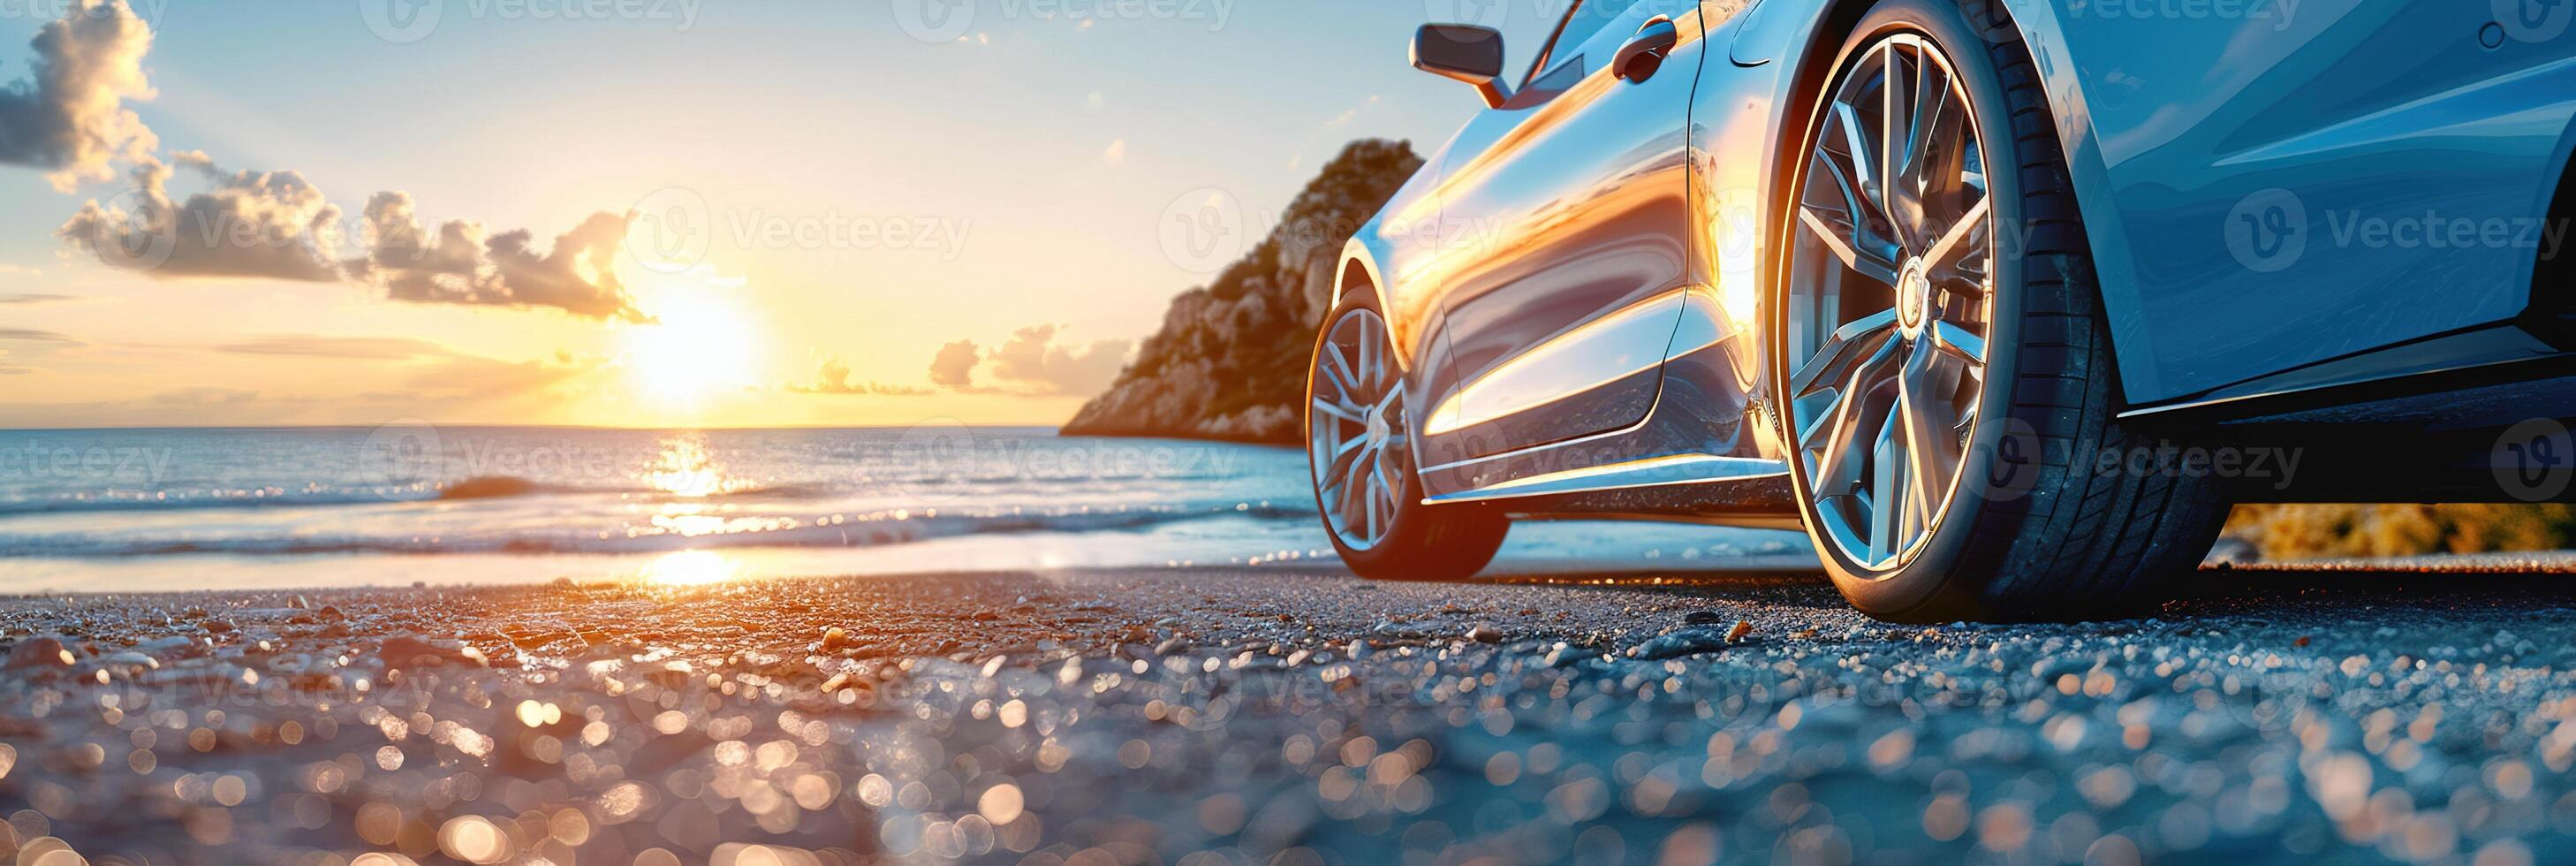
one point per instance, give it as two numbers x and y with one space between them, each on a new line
131 509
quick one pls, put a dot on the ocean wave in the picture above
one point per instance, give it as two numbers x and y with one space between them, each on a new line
854 533
481 487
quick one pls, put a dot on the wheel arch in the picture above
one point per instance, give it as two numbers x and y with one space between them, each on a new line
1358 272
2552 306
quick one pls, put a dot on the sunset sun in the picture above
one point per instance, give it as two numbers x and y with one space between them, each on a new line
701 345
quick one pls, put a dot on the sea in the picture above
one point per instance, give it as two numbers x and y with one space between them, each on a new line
417 503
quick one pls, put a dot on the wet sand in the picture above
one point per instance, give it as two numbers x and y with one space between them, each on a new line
1285 714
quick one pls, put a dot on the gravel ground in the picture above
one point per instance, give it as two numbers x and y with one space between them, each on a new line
1286 715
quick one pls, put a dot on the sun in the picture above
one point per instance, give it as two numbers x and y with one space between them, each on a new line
702 345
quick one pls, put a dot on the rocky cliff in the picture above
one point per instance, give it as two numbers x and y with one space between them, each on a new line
1230 360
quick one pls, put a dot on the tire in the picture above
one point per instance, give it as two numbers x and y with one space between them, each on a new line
2032 527
1403 538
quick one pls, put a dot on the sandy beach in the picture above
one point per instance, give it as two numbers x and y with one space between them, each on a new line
1283 715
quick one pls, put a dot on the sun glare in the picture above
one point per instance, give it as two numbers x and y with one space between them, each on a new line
701 345
691 568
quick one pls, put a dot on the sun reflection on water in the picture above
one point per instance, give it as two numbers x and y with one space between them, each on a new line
692 568
685 468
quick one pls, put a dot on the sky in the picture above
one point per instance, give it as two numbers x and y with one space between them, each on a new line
647 212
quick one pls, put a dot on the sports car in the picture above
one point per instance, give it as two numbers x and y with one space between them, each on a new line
2004 303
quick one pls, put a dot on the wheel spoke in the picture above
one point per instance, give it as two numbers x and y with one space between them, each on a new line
1957 238
1887 496
1864 162
1930 445
1367 372
1339 371
1870 264
1354 487
1334 408
1958 341
1839 457
1847 343
1897 193
1933 155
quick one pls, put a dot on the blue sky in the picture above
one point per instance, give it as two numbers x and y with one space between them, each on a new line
1046 141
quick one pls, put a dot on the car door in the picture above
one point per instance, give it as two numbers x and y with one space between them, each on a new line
2283 191
1565 247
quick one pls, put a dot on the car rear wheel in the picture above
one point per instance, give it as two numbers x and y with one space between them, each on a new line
1359 448
1947 381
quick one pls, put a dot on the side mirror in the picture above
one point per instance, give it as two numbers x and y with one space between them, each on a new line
1463 52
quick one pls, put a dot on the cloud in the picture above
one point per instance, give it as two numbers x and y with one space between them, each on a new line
834 378
8 369
249 224
30 297
355 348
472 379
1116 154
204 396
1030 364
954 366
459 265
68 116
1033 361
35 336
277 225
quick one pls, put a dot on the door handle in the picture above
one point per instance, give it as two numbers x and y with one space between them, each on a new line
1645 52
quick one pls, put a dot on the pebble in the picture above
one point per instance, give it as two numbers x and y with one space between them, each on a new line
38 653
404 651
1485 634
1680 643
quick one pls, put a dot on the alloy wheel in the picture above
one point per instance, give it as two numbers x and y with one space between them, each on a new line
1890 301
1357 434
